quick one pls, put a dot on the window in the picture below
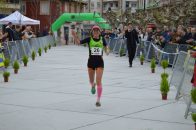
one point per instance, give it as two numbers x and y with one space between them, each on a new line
117 5
44 8
111 4
127 4
133 5
98 4
23 7
92 5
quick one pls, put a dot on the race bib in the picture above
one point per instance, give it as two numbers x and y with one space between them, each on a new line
96 51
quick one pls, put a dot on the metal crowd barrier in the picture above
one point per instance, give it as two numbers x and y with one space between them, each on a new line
150 50
169 53
15 50
116 44
181 79
178 72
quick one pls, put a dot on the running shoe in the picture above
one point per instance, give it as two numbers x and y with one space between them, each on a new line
98 104
93 90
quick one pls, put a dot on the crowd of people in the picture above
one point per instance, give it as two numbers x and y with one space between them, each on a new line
16 32
160 36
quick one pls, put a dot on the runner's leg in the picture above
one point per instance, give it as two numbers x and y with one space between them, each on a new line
99 73
91 73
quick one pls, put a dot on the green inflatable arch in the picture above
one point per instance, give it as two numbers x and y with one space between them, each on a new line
79 17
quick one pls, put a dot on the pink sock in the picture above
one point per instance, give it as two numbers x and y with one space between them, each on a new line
99 92
91 84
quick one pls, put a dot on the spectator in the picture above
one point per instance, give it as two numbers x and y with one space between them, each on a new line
17 33
132 40
28 33
166 34
182 39
150 34
45 31
192 39
2 36
9 32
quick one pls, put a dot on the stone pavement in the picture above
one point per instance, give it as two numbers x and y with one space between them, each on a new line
53 93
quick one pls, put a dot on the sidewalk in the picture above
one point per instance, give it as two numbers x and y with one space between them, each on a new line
53 93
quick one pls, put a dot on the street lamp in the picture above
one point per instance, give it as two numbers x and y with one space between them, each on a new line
144 5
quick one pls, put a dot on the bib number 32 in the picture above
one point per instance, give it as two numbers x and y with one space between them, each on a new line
96 51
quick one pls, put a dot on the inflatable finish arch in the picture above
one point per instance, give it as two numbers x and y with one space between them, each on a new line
79 17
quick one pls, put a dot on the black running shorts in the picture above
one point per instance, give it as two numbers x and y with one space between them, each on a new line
95 62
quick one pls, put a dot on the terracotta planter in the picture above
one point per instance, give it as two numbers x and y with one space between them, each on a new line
153 70
5 79
33 59
164 96
141 62
15 71
25 64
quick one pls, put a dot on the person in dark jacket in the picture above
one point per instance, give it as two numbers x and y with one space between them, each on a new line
10 32
132 40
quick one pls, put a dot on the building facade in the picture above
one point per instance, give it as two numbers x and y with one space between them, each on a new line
148 4
101 6
8 6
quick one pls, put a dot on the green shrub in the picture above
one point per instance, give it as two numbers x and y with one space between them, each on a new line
153 64
25 60
122 52
164 88
193 95
33 54
6 74
164 75
40 51
193 117
164 64
6 62
142 58
16 65
49 46
55 44
45 49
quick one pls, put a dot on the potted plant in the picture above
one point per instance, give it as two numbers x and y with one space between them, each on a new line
164 75
49 46
40 51
193 98
55 44
16 67
45 49
142 59
164 88
193 95
122 51
6 75
33 54
6 62
194 118
25 60
153 65
164 64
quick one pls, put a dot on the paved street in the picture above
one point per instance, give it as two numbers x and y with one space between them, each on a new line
53 93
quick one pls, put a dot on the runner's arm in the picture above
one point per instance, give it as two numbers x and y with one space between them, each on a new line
76 38
107 49
78 41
